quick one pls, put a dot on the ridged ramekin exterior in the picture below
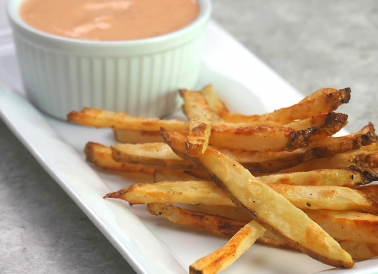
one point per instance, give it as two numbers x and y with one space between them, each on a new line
139 78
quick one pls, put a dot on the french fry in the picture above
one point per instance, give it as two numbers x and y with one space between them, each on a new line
225 256
319 203
153 155
321 101
268 161
206 192
347 225
185 192
284 161
327 124
217 106
269 208
360 158
109 119
219 225
327 197
360 250
180 216
200 117
348 177
101 156
261 138
131 136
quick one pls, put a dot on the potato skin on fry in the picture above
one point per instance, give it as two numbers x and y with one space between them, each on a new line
321 101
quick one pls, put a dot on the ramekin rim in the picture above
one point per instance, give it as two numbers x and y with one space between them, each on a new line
203 16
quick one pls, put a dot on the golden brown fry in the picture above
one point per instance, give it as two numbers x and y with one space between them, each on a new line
153 155
228 226
347 177
347 225
101 156
327 124
359 158
196 192
222 258
198 112
333 148
257 138
180 216
160 156
108 119
327 197
321 101
131 136
360 250
268 162
268 207
185 192
260 138
217 106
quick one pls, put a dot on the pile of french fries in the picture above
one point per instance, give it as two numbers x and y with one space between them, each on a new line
282 178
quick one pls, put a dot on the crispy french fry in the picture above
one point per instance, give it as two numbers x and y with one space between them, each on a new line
108 119
222 258
321 101
185 192
347 225
360 250
359 158
347 177
327 124
153 155
198 112
327 197
219 225
131 136
268 207
267 162
206 192
181 216
101 156
261 138
217 106
255 161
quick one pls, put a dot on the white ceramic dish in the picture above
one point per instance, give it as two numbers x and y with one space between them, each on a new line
139 77
151 244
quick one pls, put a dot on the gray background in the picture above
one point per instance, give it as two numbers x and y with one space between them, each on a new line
312 44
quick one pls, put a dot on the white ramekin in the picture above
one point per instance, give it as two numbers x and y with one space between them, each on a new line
139 77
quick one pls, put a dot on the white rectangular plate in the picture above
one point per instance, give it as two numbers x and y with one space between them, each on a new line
149 243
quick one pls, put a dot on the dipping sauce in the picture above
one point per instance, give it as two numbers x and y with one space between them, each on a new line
108 20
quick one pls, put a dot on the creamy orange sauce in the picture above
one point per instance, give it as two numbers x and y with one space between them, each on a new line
108 19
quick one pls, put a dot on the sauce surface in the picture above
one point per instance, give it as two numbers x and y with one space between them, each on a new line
108 20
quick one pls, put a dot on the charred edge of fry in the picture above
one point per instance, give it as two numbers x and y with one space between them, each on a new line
368 175
119 193
298 139
334 119
345 95
367 160
355 142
